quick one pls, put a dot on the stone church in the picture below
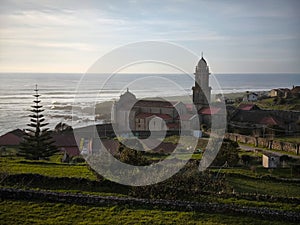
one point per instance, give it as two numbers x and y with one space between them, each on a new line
131 114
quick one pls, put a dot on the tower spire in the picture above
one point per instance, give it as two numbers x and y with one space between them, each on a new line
201 54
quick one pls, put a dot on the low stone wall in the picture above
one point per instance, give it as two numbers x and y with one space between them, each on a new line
265 143
33 195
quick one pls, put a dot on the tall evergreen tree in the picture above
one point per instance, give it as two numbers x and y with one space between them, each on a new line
37 143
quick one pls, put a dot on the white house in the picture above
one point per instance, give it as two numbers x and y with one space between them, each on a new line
270 160
250 97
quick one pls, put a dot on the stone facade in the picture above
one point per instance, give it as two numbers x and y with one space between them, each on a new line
131 114
201 90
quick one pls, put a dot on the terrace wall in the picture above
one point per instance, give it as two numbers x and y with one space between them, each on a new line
265 143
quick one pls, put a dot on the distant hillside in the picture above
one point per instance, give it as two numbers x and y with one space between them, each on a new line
280 104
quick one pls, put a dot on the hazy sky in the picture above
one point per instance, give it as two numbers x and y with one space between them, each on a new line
68 36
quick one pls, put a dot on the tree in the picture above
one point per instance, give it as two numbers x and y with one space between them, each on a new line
37 143
228 153
246 159
131 152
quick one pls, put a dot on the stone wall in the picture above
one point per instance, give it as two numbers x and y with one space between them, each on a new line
34 195
265 143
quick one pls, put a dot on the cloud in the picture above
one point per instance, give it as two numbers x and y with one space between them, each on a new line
72 30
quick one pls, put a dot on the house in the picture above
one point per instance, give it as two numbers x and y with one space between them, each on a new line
220 98
12 138
207 113
246 120
280 93
156 146
152 121
250 97
66 143
131 114
270 160
248 107
189 121
295 91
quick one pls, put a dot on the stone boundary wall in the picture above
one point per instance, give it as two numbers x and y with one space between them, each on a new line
34 195
265 142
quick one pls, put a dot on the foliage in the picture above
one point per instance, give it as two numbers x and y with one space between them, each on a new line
38 143
133 154
133 157
246 159
186 183
228 153
292 103
77 159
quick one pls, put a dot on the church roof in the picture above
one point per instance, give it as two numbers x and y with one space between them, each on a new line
128 94
202 60
209 110
146 115
152 103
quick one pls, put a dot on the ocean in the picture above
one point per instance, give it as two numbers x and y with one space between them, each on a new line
60 92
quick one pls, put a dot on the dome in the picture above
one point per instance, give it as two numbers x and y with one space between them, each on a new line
127 96
202 62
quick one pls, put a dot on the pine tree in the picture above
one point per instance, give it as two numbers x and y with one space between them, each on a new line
37 143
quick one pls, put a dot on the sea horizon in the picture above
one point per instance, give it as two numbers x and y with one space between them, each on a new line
58 91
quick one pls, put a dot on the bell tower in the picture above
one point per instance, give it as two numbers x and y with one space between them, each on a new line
201 90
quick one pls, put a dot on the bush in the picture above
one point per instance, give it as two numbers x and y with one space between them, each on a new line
78 159
228 153
188 183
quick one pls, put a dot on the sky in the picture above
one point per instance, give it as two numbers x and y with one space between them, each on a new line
258 36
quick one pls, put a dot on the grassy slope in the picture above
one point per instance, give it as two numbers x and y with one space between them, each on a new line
47 168
245 184
20 212
242 184
288 104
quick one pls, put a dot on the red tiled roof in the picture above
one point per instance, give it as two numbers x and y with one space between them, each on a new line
146 115
172 125
64 140
209 110
269 120
248 107
295 90
166 147
152 103
18 132
189 107
111 145
185 116
71 151
10 139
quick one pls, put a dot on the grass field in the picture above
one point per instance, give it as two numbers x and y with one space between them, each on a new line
261 186
20 212
15 165
241 179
